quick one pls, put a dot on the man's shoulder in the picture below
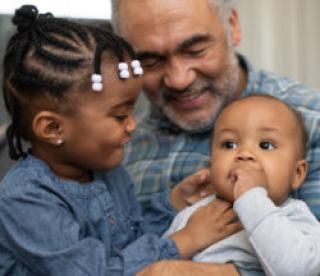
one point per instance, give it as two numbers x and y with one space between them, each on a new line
260 81
291 91
266 81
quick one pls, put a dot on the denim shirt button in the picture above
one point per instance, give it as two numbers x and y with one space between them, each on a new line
112 220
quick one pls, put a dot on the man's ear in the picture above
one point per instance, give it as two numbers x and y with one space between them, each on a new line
300 173
48 126
235 28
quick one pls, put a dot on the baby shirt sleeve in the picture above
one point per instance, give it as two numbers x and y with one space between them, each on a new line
286 238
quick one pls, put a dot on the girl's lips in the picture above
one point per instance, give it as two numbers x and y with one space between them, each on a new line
126 140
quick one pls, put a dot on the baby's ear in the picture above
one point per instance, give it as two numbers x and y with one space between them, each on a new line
300 173
48 127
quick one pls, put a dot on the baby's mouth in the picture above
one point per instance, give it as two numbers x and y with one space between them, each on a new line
232 177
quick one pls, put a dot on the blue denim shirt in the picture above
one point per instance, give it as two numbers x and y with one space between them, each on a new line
50 226
161 155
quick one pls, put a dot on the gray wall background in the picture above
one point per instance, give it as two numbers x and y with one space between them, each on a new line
5 32
283 36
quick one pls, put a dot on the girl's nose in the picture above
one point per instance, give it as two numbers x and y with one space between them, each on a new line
132 124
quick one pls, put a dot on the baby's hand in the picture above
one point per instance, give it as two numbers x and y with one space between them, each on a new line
206 226
247 176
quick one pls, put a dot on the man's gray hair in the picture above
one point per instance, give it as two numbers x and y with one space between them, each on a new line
224 8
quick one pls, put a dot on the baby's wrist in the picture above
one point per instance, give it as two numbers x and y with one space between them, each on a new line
250 192
240 191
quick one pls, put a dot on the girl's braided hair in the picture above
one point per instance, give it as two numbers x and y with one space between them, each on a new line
49 57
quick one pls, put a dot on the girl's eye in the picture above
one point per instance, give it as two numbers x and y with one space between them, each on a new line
266 145
229 145
121 117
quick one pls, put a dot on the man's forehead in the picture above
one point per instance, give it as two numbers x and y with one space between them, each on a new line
138 15
162 5
157 29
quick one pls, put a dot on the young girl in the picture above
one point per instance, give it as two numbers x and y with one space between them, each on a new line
68 208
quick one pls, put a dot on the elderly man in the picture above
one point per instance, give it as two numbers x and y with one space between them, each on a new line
191 70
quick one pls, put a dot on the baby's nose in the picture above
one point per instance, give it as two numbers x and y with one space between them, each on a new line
245 155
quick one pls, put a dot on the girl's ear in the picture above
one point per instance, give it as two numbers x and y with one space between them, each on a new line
48 126
300 173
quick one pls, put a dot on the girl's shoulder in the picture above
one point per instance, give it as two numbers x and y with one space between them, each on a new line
27 174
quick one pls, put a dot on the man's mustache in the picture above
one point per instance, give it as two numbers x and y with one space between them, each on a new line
168 93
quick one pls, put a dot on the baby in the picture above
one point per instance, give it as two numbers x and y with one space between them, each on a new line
258 149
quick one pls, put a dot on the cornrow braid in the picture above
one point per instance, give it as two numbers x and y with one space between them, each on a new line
118 46
50 57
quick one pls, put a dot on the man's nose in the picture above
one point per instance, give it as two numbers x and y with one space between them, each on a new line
179 74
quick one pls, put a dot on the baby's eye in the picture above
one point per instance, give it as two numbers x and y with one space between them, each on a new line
229 145
266 145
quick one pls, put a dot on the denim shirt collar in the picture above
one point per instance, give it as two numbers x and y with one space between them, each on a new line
97 185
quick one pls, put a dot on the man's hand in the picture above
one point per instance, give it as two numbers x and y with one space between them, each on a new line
207 225
191 189
188 268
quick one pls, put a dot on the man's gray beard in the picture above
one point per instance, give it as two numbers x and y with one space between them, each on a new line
224 92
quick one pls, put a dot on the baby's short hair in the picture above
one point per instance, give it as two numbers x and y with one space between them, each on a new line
297 115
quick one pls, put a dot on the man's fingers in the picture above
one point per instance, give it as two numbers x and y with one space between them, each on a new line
220 206
229 216
208 190
204 175
233 228
197 183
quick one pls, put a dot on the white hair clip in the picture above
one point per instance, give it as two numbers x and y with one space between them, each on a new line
123 70
136 66
96 82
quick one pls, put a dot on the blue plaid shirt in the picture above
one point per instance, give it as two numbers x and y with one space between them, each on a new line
161 155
